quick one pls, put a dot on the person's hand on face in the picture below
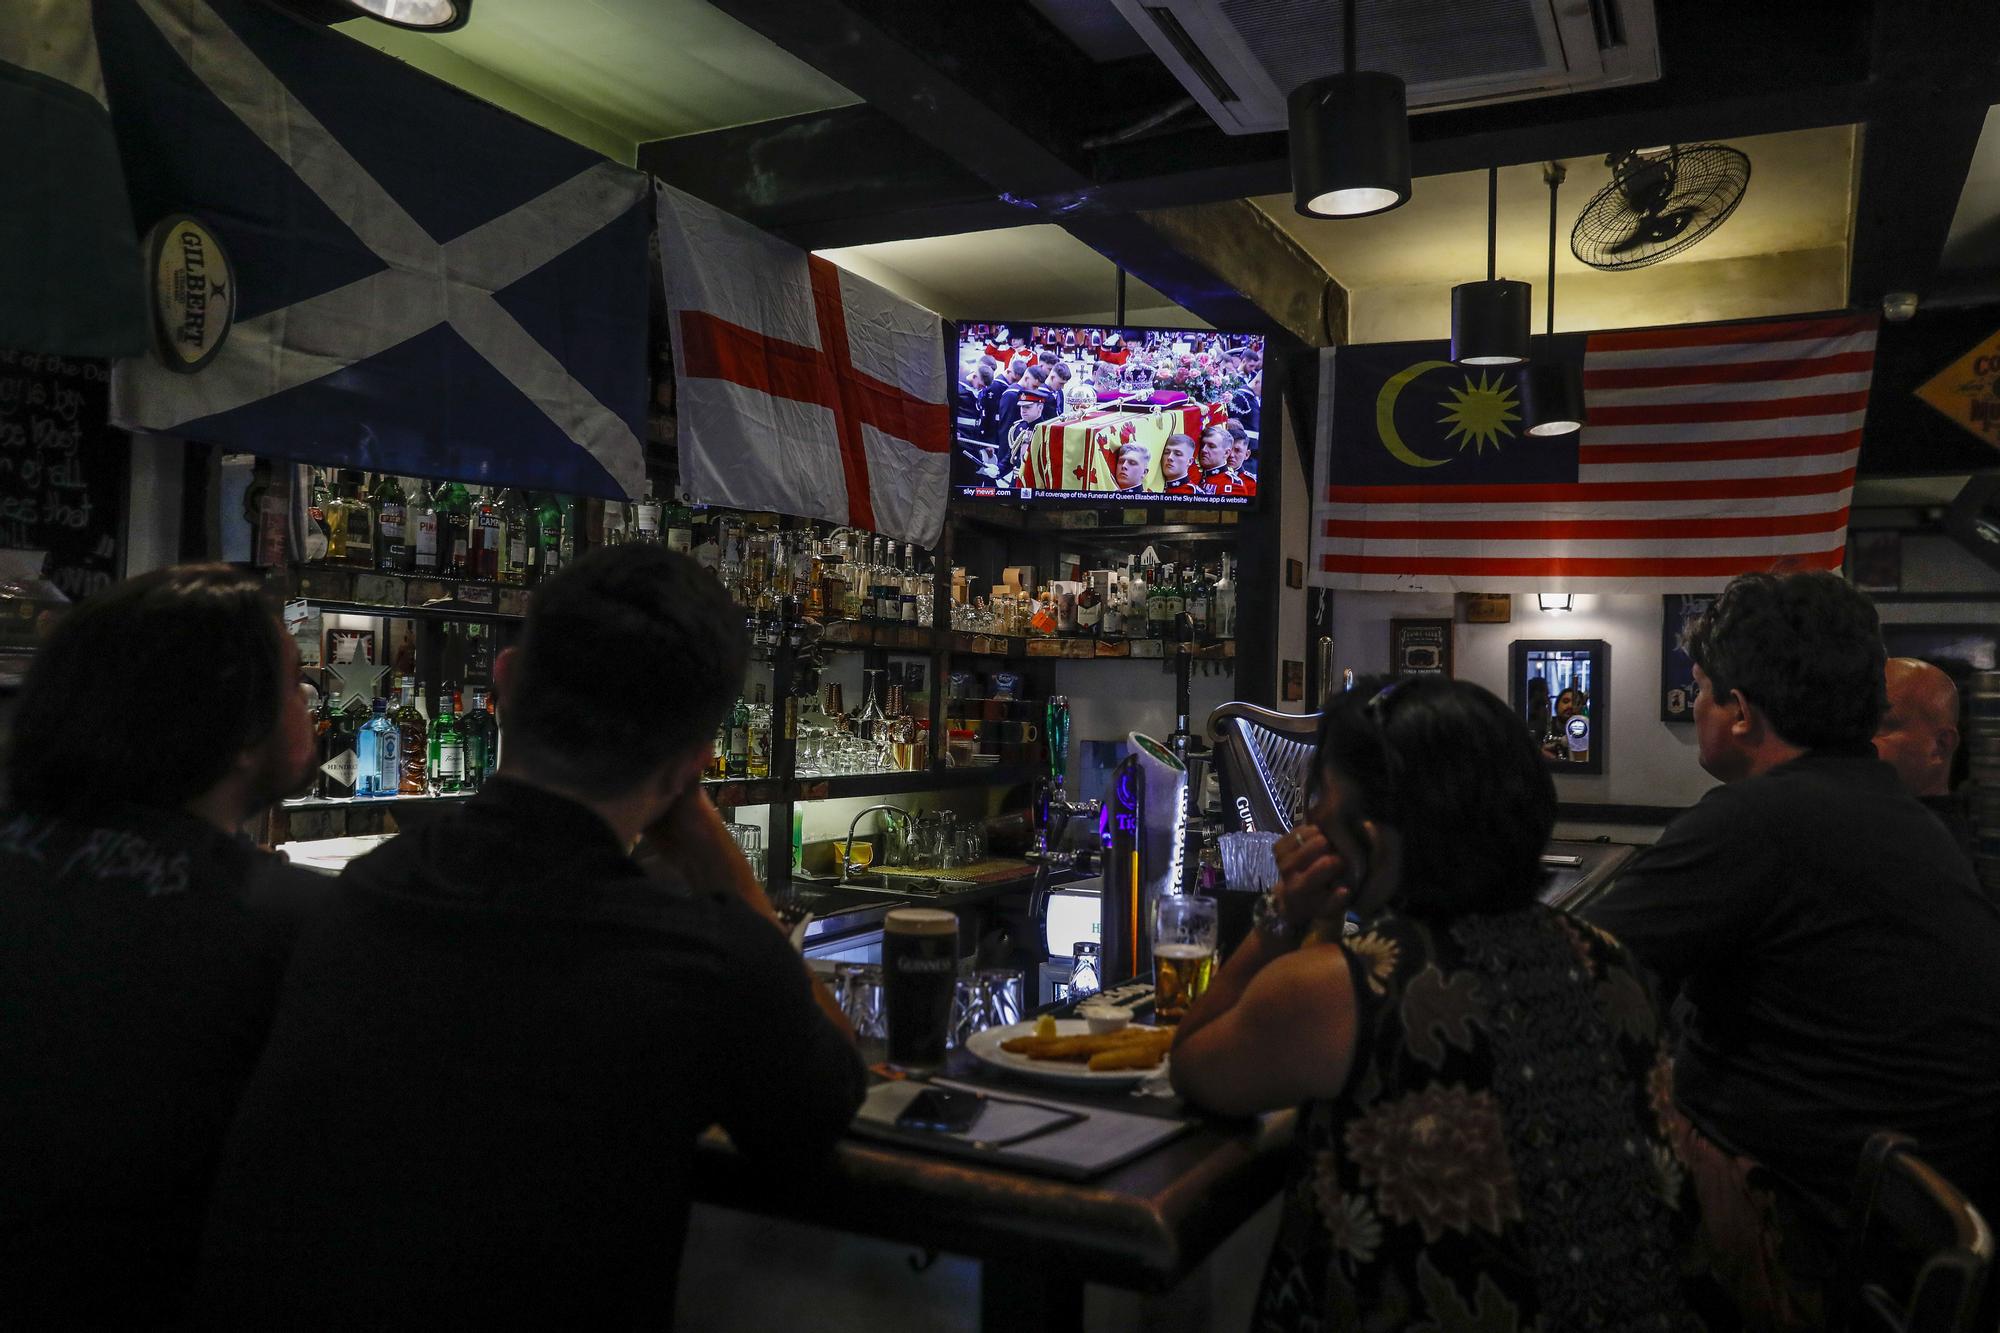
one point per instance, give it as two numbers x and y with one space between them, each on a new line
1321 868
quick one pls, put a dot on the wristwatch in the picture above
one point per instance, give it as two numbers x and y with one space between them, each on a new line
1269 921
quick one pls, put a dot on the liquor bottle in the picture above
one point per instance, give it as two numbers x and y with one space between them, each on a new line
518 526
1065 611
1114 606
1089 609
757 748
1222 614
566 544
481 745
334 730
392 526
1042 621
455 529
1176 598
1198 600
447 747
854 586
738 747
910 588
718 754
318 537
359 523
378 768
1135 597
646 518
679 521
412 740
489 538
888 588
614 528
424 557
1157 615
545 556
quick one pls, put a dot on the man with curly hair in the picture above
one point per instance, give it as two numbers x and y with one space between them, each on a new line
1838 967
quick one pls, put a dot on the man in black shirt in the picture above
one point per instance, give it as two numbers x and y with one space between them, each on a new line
142 938
480 1100
1838 966
1918 737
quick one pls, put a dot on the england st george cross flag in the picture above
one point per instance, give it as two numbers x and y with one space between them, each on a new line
424 284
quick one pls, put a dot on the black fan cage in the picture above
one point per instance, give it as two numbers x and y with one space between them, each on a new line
1710 179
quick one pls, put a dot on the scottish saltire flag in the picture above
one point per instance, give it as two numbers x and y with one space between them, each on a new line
1710 451
70 277
424 284
801 388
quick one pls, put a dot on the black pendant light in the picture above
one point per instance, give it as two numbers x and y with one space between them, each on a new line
1552 390
416 15
1491 321
1350 140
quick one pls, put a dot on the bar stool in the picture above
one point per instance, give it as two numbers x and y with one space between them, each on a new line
1917 1251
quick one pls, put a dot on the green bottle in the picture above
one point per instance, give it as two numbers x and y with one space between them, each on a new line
517 538
447 746
739 740
454 506
477 735
391 513
550 535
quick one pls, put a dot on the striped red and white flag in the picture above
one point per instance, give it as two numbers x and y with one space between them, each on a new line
1710 451
801 388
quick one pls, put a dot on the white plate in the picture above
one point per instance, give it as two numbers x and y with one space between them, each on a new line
986 1046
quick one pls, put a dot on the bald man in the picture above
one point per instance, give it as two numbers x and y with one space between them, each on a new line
1918 735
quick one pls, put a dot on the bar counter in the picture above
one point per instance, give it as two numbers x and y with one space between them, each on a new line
1143 1226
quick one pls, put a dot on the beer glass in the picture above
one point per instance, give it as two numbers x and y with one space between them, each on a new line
919 983
1184 942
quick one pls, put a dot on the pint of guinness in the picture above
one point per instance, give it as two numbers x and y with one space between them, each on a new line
919 981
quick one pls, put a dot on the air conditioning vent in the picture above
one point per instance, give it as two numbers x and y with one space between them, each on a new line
1239 58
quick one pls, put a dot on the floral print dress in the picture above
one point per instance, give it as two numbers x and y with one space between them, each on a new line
1495 1162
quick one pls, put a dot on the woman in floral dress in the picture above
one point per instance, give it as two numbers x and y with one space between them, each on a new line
1479 1143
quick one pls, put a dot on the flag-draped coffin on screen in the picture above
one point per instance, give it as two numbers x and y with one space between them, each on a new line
1710 450
424 284
800 387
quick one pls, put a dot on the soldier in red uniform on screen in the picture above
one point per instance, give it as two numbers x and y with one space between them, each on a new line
1114 352
1213 458
1033 405
1133 462
1233 479
1177 466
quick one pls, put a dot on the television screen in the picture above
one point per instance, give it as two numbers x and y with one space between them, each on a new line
1072 412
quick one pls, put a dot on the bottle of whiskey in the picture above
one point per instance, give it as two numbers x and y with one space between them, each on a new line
757 747
1198 600
378 768
646 518
356 522
412 741
318 537
1089 609
679 521
392 526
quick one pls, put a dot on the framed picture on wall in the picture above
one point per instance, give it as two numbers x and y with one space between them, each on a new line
1420 647
1875 559
1676 668
1562 689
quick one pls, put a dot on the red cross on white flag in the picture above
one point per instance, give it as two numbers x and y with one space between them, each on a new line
801 388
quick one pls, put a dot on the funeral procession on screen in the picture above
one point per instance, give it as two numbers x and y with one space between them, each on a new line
1054 411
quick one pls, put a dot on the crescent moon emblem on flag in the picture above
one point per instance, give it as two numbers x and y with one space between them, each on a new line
1385 415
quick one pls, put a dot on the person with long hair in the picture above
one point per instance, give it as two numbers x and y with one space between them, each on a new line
1479 1143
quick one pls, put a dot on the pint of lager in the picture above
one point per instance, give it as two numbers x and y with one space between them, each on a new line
919 981
1184 946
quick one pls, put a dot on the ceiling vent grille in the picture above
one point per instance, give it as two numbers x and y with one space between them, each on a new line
1239 58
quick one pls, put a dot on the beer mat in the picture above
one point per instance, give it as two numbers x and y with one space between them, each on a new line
1047 1136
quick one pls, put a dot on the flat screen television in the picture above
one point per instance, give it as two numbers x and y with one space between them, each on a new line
1077 413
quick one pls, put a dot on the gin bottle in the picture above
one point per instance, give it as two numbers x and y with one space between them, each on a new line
378 768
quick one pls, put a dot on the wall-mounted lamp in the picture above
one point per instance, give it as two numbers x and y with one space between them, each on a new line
1555 601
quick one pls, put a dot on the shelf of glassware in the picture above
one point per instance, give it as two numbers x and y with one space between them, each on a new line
371 802
733 792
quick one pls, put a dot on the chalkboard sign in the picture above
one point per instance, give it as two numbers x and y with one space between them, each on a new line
62 467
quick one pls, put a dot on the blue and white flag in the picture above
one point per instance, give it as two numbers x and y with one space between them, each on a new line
424 284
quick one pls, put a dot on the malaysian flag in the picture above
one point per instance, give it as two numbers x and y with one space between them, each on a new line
1711 450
